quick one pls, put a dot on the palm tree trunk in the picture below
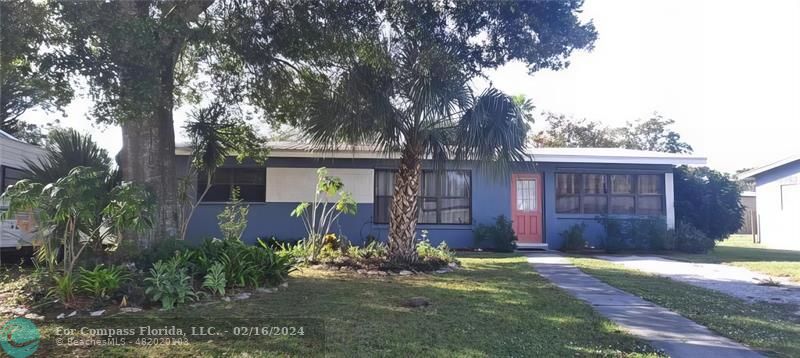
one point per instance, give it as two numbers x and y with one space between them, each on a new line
404 209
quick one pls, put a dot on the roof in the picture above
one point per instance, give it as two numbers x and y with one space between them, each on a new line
5 135
551 155
768 167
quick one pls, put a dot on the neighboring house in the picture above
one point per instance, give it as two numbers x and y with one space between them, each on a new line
778 201
13 153
561 187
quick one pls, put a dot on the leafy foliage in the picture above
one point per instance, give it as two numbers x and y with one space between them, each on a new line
709 200
651 134
64 287
26 76
501 235
573 237
75 211
215 279
169 283
320 215
641 234
102 281
441 252
244 265
690 239
65 150
233 218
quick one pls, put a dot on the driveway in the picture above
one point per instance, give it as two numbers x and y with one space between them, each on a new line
735 281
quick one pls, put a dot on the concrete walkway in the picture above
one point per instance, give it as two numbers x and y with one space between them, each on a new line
664 329
731 280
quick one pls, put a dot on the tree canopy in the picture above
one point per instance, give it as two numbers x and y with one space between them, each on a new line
140 59
651 134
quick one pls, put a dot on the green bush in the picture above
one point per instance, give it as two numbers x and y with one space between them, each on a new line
441 252
244 265
573 237
169 283
102 281
215 279
160 250
64 287
709 200
691 239
641 234
501 235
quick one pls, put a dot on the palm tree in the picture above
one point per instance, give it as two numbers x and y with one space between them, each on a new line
416 101
215 134
65 150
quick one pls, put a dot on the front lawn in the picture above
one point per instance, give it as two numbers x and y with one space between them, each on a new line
495 306
739 250
770 327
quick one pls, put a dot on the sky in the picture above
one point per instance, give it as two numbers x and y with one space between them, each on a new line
727 72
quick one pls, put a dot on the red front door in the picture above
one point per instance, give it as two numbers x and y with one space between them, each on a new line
526 207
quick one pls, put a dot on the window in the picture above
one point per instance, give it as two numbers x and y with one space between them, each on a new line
641 194
526 194
445 197
250 181
9 176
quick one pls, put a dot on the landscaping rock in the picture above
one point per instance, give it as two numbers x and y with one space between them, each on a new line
61 316
34 317
242 296
383 273
266 290
361 271
372 273
452 265
441 271
284 284
130 309
97 313
415 302
406 273
226 299
19 311
72 314
317 267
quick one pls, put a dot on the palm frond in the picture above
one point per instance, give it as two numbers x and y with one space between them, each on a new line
492 132
65 150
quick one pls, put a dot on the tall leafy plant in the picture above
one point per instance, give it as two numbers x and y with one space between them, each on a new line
68 210
319 215
216 134
233 218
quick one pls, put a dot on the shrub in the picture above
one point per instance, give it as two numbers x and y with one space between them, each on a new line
244 265
441 252
636 234
573 237
691 239
102 281
709 200
614 239
501 235
233 219
64 287
215 279
160 250
169 284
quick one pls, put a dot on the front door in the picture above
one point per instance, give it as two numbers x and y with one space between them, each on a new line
526 207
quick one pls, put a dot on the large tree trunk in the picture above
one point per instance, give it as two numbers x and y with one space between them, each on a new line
147 79
405 210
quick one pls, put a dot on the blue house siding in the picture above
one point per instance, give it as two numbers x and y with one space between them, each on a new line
491 197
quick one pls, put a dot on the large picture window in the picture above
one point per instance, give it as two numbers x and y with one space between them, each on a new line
252 184
445 197
640 194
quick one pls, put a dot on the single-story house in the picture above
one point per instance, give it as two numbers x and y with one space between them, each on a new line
560 187
13 154
778 201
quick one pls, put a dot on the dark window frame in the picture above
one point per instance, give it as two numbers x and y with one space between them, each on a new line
636 195
439 182
201 183
3 177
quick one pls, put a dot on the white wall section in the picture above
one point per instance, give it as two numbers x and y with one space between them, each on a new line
294 185
669 196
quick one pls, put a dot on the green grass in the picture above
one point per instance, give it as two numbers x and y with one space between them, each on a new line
739 250
769 327
495 306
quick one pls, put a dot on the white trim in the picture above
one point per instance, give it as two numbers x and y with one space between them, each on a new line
542 155
669 195
768 167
